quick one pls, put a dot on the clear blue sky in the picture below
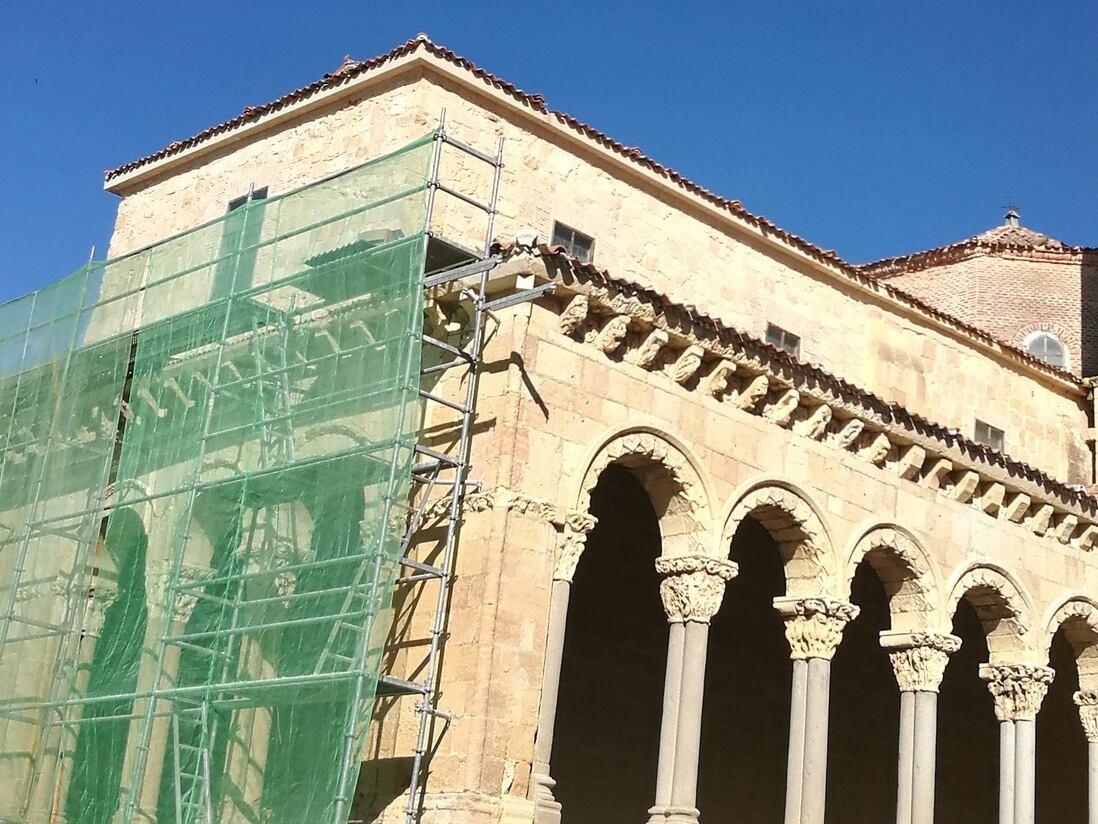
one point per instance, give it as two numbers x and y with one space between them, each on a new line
873 128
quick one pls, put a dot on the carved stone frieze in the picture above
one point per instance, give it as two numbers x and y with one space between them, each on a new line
1018 689
814 626
937 458
646 354
610 337
815 425
692 586
910 462
715 384
919 659
686 364
1087 702
1016 508
574 315
781 411
753 392
964 487
937 475
848 433
877 449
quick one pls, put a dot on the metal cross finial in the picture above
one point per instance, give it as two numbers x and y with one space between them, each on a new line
1011 218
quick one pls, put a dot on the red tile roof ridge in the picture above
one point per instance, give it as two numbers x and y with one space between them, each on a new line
348 70
888 411
1003 239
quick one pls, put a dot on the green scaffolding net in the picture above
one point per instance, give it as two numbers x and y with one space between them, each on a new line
205 458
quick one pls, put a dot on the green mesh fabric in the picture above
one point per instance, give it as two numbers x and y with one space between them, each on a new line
205 459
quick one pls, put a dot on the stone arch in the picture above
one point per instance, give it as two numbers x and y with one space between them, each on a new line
1002 607
670 477
1077 615
904 569
795 525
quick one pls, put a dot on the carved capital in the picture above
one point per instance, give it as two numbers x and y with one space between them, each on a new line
814 626
919 658
577 526
693 586
1087 702
1018 689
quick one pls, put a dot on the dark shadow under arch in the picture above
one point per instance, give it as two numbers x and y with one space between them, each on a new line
610 702
863 738
1061 744
745 721
967 783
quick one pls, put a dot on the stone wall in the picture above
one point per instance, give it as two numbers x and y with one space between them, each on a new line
644 233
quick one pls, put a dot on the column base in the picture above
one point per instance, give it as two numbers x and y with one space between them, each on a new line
657 815
682 815
546 807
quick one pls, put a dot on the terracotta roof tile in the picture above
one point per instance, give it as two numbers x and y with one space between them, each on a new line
1006 238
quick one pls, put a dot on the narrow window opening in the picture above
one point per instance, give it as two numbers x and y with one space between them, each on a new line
240 233
576 243
787 341
990 435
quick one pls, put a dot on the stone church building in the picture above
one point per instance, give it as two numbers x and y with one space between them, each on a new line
760 535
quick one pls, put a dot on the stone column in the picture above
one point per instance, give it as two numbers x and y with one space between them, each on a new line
576 529
813 628
919 660
691 590
1018 690
1087 702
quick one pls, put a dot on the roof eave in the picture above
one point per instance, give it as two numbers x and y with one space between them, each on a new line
120 184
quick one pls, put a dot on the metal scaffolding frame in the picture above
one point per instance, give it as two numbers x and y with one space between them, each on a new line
448 468
440 479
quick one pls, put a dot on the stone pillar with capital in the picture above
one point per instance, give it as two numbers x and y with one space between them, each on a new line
1018 690
691 588
577 526
813 627
919 660
1087 702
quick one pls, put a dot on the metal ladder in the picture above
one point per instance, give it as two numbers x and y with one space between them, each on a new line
193 798
448 468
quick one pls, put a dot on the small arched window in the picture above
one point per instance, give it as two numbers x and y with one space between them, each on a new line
1045 346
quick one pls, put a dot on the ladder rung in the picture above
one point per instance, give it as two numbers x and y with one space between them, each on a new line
422 567
441 457
519 297
459 407
459 272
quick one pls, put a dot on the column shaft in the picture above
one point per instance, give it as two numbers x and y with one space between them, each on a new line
817 710
1025 753
1006 772
905 762
672 689
794 776
541 782
684 791
1092 782
925 755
